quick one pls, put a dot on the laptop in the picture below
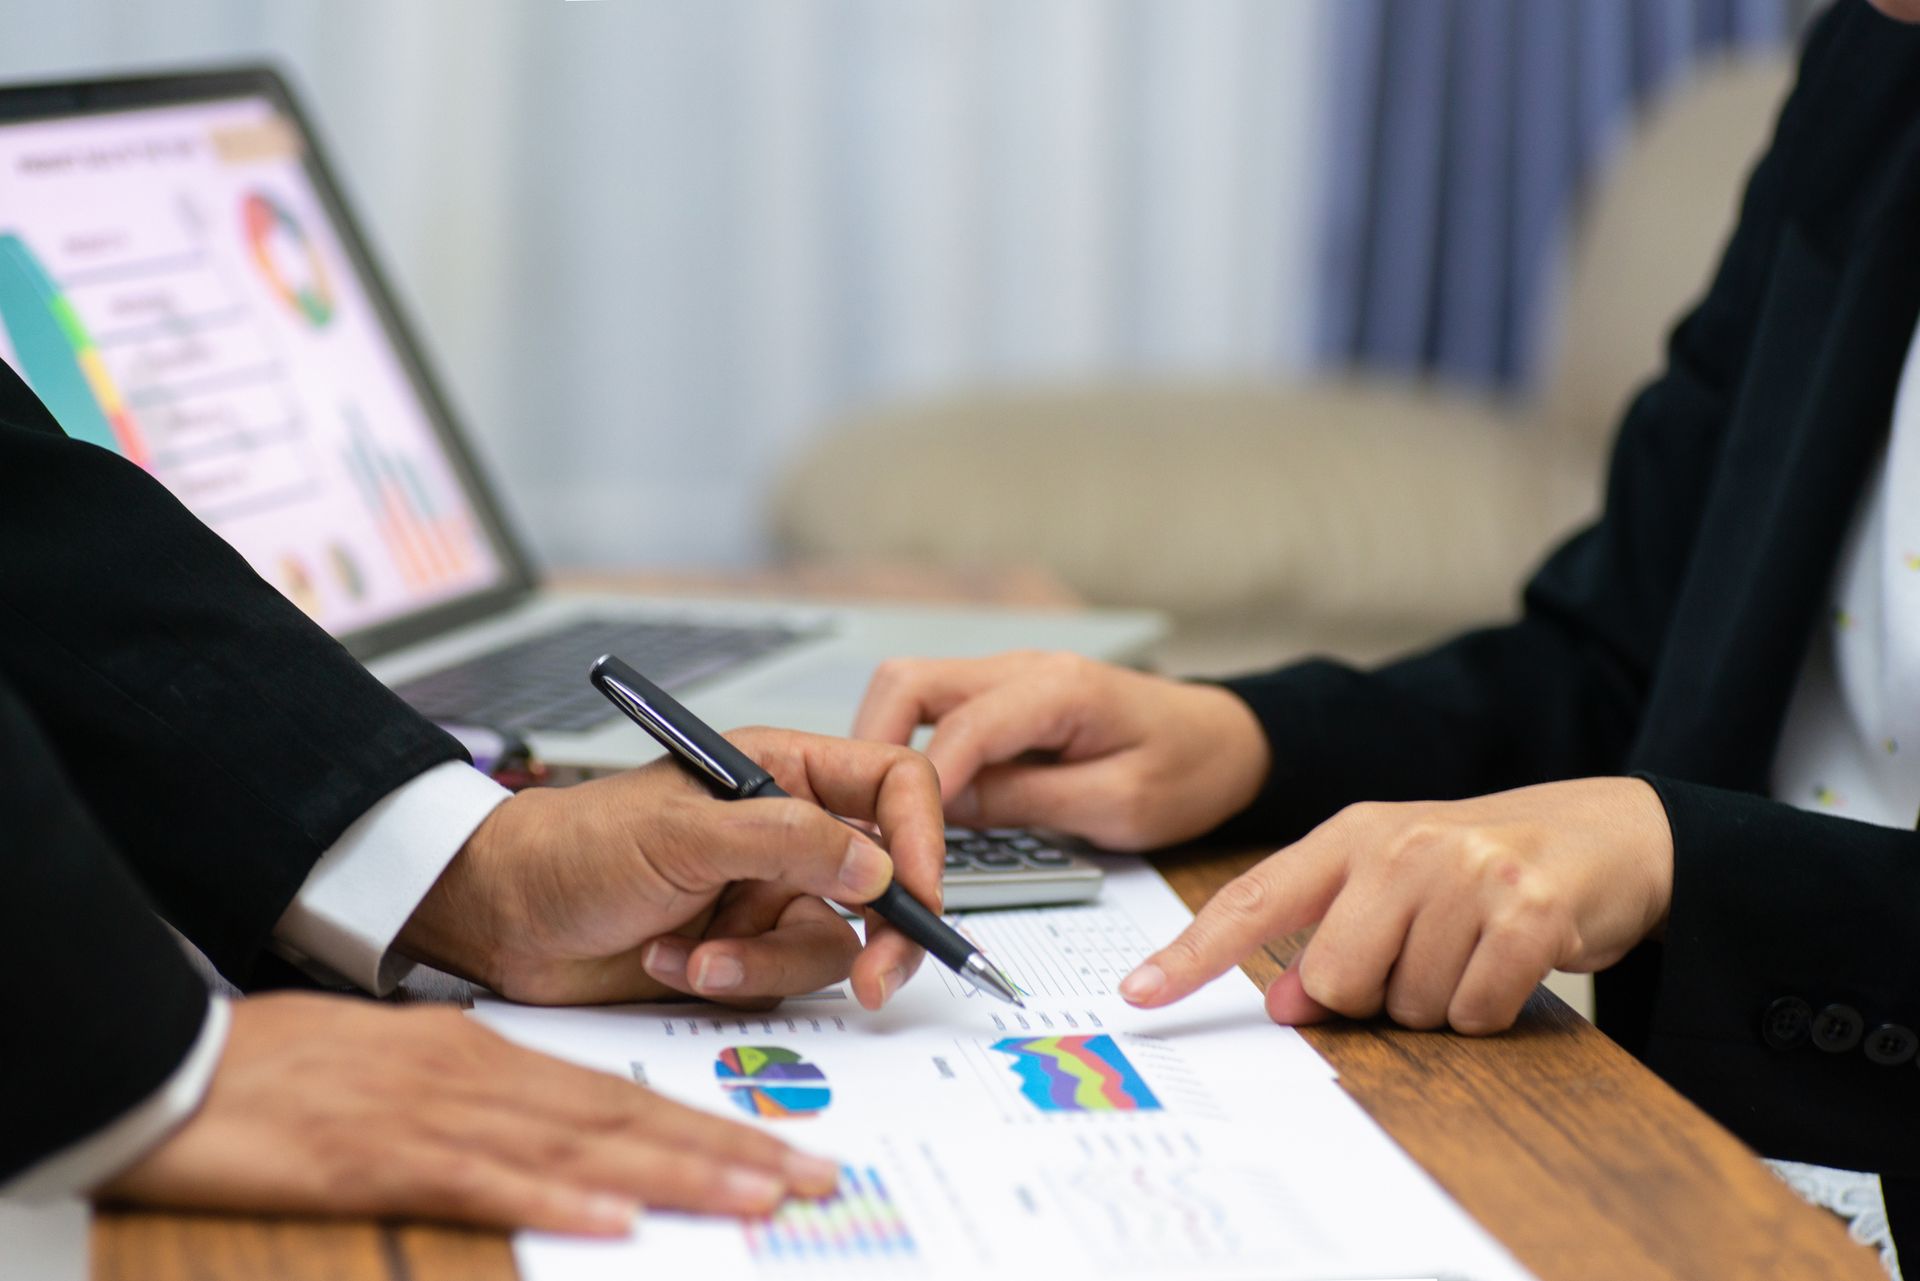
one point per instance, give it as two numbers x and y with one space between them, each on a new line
181 281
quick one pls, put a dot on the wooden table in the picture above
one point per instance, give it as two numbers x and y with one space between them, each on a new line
1584 1163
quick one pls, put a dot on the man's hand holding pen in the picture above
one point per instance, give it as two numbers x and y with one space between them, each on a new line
643 885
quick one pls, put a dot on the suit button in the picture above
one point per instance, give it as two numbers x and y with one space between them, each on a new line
1890 1045
1837 1028
1786 1023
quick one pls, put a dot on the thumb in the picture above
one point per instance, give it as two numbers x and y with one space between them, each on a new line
1288 1002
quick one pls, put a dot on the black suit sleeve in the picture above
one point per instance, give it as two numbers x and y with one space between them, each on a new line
1779 916
220 738
1559 692
99 1005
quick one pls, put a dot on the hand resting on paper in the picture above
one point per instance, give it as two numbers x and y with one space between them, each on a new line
330 1105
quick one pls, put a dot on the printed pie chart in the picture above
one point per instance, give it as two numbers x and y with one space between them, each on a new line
770 1081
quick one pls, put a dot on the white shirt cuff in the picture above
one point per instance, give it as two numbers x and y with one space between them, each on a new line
359 895
80 1167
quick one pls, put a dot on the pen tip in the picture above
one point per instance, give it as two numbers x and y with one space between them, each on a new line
985 976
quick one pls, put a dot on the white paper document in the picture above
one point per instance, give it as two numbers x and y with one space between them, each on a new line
1080 1138
44 1240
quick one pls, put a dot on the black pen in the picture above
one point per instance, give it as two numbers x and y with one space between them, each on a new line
733 776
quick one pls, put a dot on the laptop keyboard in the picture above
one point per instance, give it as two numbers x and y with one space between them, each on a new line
541 683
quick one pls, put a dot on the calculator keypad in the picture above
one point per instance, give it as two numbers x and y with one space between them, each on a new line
999 849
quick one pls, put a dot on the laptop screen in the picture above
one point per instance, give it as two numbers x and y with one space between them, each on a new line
172 286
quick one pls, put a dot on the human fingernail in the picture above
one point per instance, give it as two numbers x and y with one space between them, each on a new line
964 806
1144 983
610 1213
890 982
754 1187
865 869
815 1174
666 958
718 974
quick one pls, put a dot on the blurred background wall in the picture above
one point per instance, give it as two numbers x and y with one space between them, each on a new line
658 245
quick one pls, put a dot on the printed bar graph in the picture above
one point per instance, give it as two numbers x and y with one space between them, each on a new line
858 1223
59 358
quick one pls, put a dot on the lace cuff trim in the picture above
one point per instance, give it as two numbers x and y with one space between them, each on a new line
1851 1194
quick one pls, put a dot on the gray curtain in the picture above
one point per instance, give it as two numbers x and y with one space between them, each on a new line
1461 131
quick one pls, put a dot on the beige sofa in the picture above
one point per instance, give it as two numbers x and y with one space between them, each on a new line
1350 516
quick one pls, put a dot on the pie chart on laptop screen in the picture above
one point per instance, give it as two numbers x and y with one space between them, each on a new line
286 258
770 1081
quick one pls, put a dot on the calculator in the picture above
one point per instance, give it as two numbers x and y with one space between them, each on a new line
1016 867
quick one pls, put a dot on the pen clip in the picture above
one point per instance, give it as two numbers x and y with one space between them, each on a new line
725 768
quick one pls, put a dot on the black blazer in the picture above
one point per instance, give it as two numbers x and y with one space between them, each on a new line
174 737
1666 639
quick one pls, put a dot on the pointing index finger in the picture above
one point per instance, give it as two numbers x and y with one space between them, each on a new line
1286 892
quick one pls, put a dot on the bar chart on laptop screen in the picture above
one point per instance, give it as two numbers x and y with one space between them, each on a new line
171 287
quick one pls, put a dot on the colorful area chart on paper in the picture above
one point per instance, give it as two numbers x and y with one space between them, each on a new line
768 1081
859 1222
1077 1074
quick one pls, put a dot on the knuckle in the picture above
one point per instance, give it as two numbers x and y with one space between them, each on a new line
1489 1009
675 835
795 823
959 728
1183 953
1530 916
700 1179
916 768
459 1181
560 1151
1058 674
1532 907
1329 983
336 1158
1414 844
1414 1012
445 1043
1244 898
1064 663
1359 814
1128 818
737 1143
756 739
1476 1020
1491 860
